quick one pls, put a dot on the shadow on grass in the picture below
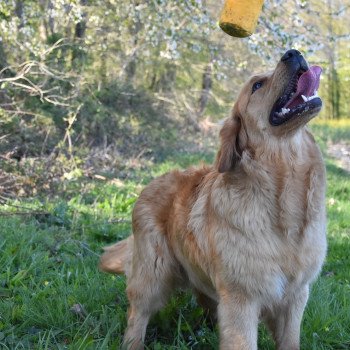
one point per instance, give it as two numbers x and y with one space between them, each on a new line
336 170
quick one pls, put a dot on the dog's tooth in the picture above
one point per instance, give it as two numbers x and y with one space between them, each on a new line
304 98
315 95
285 110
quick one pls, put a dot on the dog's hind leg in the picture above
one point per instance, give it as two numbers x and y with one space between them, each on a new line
153 274
209 306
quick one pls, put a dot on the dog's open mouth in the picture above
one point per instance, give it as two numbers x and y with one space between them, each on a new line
299 98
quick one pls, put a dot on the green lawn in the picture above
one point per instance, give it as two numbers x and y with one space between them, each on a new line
52 295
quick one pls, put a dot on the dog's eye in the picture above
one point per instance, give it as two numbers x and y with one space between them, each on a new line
257 86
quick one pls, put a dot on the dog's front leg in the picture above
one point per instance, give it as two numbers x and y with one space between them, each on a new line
285 320
238 322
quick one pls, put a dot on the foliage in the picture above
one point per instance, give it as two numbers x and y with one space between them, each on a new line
121 73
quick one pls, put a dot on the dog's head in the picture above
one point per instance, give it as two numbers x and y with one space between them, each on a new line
273 105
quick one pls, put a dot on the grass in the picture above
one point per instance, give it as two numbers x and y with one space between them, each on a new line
52 295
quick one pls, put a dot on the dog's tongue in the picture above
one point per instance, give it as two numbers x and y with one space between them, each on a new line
308 83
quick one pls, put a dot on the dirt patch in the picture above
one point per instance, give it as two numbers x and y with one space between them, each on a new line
341 152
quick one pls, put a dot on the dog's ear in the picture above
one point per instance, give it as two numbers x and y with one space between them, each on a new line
229 152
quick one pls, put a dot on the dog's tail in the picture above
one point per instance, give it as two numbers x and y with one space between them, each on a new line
117 257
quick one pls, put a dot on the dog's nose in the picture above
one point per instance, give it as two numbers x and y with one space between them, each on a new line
293 57
290 54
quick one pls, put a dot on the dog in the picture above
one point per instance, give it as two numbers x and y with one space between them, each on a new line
247 234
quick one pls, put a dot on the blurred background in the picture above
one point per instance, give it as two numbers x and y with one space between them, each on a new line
92 84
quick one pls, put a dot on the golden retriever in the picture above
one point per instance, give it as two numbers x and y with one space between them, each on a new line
246 234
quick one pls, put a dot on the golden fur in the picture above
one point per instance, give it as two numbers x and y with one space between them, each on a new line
246 234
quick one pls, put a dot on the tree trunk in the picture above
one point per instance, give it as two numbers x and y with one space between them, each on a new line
167 78
333 79
3 60
79 36
19 13
6 73
103 62
134 28
51 22
335 95
80 27
207 82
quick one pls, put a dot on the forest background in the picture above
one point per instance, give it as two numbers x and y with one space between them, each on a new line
134 79
98 97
